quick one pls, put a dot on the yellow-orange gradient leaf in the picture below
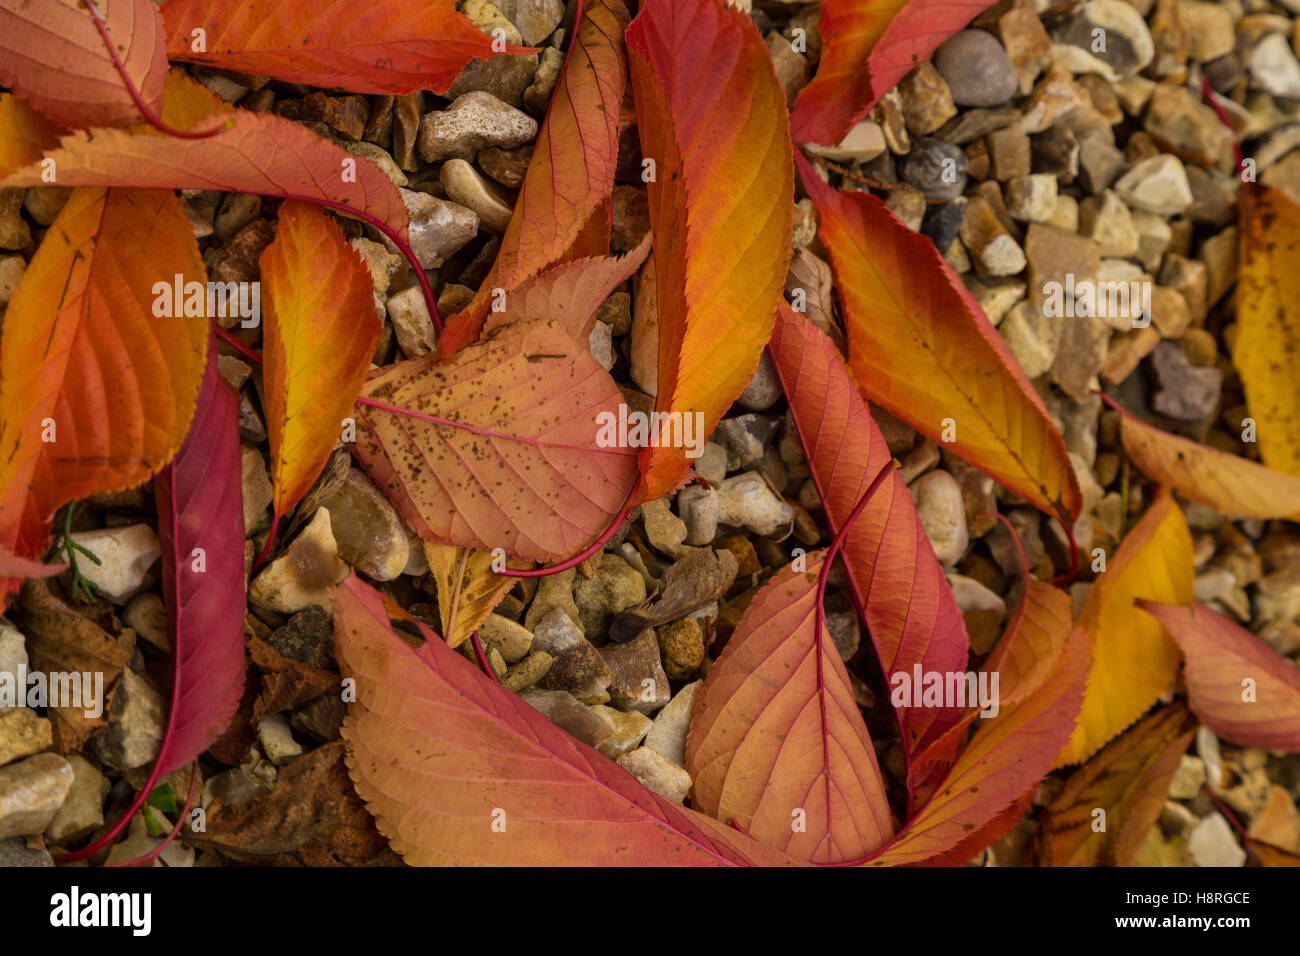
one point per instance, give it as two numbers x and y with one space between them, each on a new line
100 364
920 345
24 134
1266 351
468 588
320 335
1134 660
712 116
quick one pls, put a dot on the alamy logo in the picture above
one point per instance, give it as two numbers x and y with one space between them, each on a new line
1099 299
625 429
75 690
133 910
945 689
216 300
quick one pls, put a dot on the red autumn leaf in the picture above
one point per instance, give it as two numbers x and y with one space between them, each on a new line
254 153
458 770
201 535
320 335
921 347
867 47
506 449
776 737
712 117
896 581
1241 688
96 388
571 292
366 46
52 55
563 209
13 566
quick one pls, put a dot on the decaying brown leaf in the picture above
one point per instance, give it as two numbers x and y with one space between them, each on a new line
698 579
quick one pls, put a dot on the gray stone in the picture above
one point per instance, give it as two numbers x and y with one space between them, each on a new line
506 166
1212 843
136 719
576 666
15 852
1186 392
83 807
485 199
744 437
438 228
307 637
473 121
939 504
276 739
23 733
125 554
637 679
764 388
668 735
566 712
31 793
615 587
747 501
412 324
657 774
369 534
937 168
976 69
1157 184
13 657
700 509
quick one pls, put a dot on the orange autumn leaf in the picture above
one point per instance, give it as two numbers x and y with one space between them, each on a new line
504 447
320 334
1007 756
52 55
99 367
1266 351
712 116
253 153
1129 780
24 133
365 46
921 347
867 47
1134 660
457 770
1228 483
563 209
776 737
1238 686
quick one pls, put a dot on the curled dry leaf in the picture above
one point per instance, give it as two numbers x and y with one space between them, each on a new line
96 387
1127 782
366 46
24 134
712 117
319 302
313 817
502 450
1238 686
921 347
62 641
698 579
286 682
891 37
52 55
458 770
776 738
1228 483
468 588
896 581
1266 350
1134 660
563 209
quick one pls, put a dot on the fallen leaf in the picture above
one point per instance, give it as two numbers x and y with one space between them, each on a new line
254 153
563 209
1007 756
712 117
365 46
24 134
701 577
1238 686
1271 855
896 582
921 347
52 55
1266 351
1134 660
201 535
1108 806
776 743
96 387
458 770
1228 483
511 458
62 641
569 293
320 336
468 588
313 817
286 683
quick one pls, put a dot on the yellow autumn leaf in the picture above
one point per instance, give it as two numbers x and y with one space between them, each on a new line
1266 351
1134 660
468 588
